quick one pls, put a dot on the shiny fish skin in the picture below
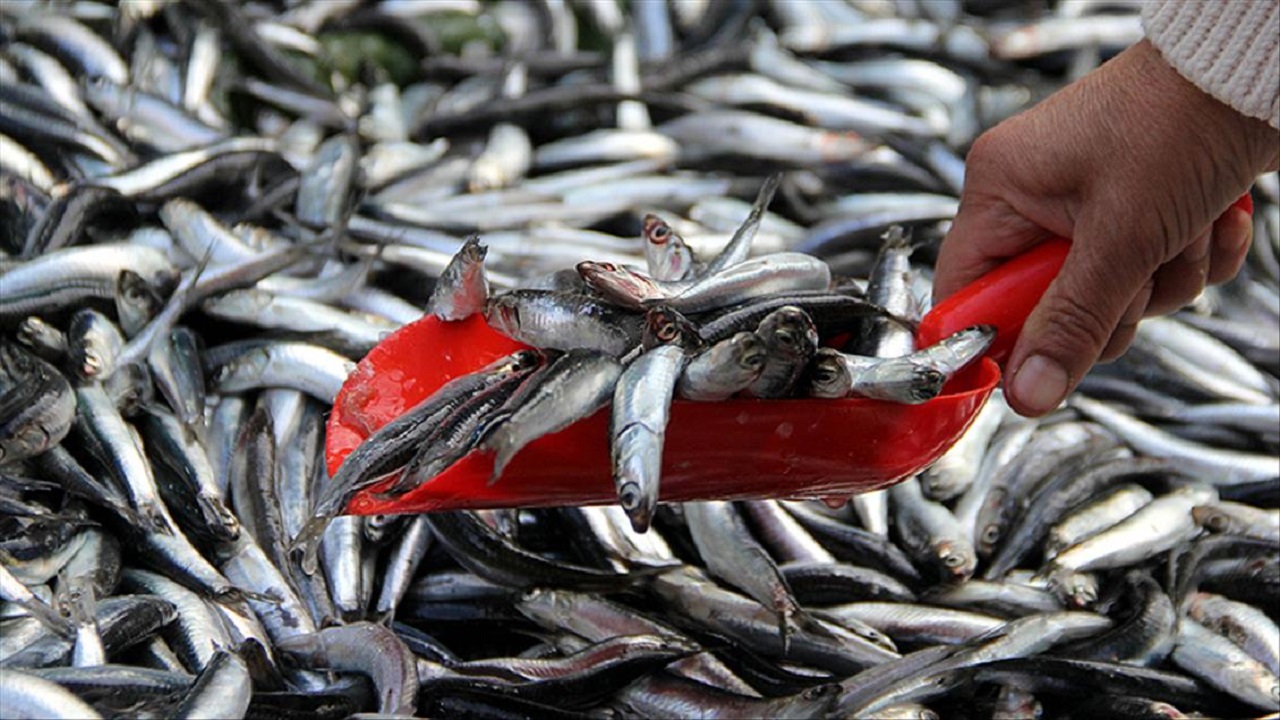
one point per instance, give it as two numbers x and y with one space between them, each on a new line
37 405
739 246
367 648
314 370
733 556
1220 663
210 211
931 533
81 273
551 320
1162 524
666 255
790 341
766 275
26 695
576 385
637 427
1098 515
221 690
393 445
462 290
1241 623
723 369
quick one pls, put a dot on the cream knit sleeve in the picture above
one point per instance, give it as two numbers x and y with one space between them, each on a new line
1228 48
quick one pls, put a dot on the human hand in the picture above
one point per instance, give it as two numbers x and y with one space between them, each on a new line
1139 168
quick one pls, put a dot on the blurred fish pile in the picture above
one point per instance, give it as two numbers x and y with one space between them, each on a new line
209 211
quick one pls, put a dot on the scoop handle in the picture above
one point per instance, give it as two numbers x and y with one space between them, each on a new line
1004 297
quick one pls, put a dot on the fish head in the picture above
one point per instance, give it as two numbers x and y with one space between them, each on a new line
957 560
828 375
589 269
136 300
926 384
517 362
817 701
988 536
1212 519
472 251
665 326
789 329
638 511
503 314
748 352
655 230
545 604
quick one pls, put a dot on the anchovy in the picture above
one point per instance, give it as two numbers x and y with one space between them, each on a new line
65 277
221 690
317 371
621 285
1243 624
733 556
637 427
459 431
26 695
1098 515
557 321
369 649
930 533
494 557
790 341
1228 467
659 697
1223 665
575 385
666 254
37 404
765 275
1161 525
462 290
740 244
392 445
1239 519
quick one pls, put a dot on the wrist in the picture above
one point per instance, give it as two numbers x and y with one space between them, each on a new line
1238 146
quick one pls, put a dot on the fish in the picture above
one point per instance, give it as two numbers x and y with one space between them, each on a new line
210 213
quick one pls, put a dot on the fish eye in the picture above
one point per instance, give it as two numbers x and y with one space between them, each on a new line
667 331
1217 523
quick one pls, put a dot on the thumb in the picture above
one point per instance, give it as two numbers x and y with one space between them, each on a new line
1073 322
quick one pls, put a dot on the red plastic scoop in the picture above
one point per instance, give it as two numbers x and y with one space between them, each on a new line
727 450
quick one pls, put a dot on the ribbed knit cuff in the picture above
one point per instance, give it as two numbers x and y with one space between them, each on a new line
1228 48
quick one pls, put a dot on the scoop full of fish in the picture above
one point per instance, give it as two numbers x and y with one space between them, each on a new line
210 211
616 337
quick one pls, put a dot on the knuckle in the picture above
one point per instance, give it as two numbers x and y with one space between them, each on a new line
1075 326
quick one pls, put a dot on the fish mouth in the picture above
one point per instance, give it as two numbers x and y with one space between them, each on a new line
503 316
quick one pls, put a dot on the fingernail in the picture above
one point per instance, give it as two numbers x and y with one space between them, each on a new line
1040 384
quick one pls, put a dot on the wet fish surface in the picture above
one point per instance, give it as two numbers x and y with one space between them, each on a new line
210 212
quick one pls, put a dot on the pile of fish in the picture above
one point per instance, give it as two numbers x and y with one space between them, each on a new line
210 211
